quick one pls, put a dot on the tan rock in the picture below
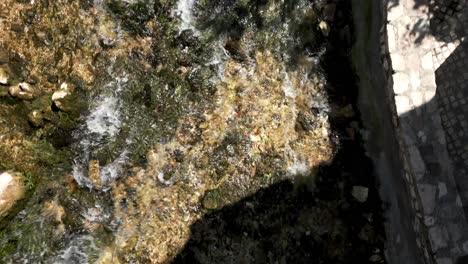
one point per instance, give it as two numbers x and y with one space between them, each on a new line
11 191
23 91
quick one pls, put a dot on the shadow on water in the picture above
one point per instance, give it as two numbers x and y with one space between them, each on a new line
289 223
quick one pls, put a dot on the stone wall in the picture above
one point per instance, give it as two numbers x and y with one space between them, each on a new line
395 58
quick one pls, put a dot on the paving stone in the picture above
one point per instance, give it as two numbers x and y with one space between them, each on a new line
438 237
444 261
415 80
442 189
428 197
417 99
401 82
416 162
398 62
402 104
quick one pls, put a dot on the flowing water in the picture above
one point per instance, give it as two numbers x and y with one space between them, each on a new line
192 106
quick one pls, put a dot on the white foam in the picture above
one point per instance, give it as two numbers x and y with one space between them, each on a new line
102 126
299 168
76 251
184 11
288 87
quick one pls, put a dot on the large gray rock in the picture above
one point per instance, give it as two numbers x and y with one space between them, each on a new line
12 190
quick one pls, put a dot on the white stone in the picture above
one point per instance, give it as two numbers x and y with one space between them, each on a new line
415 80
442 189
60 94
395 12
391 38
11 190
402 104
417 99
427 63
26 87
398 62
360 193
400 82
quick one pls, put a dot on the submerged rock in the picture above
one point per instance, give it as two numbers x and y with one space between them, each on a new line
36 118
360 193
11 190
23 91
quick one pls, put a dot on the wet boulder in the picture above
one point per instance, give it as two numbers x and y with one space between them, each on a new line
23 91
12 190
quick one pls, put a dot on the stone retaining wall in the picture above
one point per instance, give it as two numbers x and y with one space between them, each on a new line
396 57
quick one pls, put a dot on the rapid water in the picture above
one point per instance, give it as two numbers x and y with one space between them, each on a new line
184 11
258 97
102 126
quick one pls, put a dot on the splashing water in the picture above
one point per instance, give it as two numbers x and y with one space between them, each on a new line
184 11
101 128
76 251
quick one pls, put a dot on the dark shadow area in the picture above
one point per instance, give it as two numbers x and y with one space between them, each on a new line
451 96
289 223
462 260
